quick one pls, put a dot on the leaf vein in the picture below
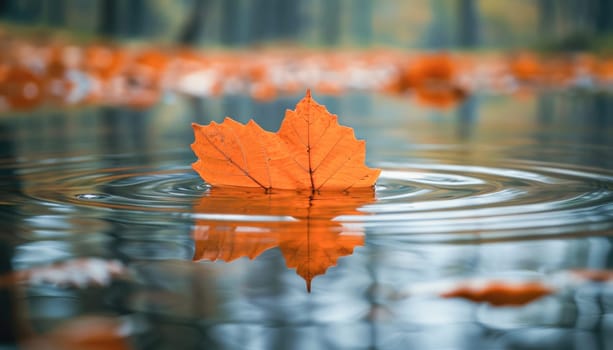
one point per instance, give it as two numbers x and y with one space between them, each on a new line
231 161
329 152
334 173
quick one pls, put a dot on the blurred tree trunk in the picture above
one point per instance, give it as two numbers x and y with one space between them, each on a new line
289 19
361 21
468 23
604 12
546 17
55 12
24 10
437 35
229 24
137 11
192 28
330 22
108 22
4 8
264 21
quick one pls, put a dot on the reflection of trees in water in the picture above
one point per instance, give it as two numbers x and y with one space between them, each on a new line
468 23
388 269
125 131
10 188
468 113
569 119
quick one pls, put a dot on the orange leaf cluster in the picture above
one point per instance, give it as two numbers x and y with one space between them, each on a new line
36 72
309 239
434 79
311 151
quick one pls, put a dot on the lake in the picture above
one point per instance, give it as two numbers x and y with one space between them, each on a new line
108 232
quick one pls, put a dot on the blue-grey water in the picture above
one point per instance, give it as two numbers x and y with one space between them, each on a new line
103 220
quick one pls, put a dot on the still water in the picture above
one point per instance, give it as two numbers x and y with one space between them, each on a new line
109 238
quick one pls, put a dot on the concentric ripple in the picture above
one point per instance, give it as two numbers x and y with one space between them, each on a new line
427 199
477 202
143 189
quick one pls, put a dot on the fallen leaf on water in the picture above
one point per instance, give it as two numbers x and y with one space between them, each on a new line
83 333
76 273
526 67
433 78
20 88
105 61
501 293
311 151
439 69
594 275
302 227
434 81
440 97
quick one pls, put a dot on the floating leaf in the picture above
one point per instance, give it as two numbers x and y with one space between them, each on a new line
501 293
594 275
311 151
526 67
440 97
90 332
75 273
20 88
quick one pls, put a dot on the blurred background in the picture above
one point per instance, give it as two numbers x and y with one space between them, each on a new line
492 122
424 24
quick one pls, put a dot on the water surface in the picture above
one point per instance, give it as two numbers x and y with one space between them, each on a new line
103 217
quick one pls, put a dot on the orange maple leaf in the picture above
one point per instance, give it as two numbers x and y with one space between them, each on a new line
302 227
311 151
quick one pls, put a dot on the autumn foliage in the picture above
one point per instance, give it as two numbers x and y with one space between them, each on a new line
37 72
433 79
311 151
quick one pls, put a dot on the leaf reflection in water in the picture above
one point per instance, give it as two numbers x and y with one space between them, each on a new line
301 225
